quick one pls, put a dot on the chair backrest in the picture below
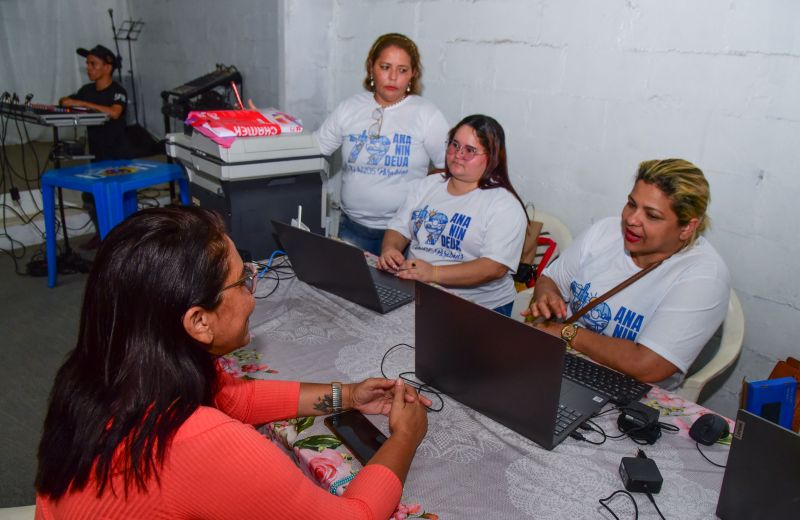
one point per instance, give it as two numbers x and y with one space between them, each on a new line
730 346
557 230
18 513
560 234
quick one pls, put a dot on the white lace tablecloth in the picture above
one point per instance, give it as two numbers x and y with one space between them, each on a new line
469 466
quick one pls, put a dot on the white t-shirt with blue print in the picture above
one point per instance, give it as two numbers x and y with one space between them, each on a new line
673 310
377 169
447 229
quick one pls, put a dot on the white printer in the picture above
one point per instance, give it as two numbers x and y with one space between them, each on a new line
254 181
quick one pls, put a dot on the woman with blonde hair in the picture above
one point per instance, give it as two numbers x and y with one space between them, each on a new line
389 136
654 328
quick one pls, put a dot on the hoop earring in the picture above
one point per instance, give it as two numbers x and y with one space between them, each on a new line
371 82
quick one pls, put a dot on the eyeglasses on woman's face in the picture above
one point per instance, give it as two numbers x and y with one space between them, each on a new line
467 152
249 280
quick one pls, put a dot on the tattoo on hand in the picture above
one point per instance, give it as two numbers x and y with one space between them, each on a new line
324 404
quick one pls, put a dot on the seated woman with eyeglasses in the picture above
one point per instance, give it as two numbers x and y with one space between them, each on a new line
465 227
143 424
654 328
389 137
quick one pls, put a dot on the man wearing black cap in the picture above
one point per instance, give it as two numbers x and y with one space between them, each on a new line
107 141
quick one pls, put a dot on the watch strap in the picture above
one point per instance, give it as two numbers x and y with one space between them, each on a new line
336 396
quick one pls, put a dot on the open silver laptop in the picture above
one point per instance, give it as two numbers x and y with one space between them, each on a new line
340 268
507 370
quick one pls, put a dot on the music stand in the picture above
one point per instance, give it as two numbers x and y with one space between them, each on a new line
129 31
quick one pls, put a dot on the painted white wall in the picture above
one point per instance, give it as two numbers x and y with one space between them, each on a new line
185 39
584 88
38 39
587 89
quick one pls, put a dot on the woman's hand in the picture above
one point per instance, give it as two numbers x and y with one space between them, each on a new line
376 396
551 327
547 302
390 260
251 105
408 420
408 423
417 270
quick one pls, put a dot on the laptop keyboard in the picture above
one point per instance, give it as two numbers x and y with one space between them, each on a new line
391 297
621 389
565 418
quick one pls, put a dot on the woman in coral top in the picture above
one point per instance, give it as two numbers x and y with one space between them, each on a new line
142 424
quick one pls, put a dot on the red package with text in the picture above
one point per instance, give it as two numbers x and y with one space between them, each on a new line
225 126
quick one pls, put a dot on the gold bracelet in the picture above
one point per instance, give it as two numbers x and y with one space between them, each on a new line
435 274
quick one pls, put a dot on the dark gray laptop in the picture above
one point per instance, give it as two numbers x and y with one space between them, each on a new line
505 369
762 475
340 268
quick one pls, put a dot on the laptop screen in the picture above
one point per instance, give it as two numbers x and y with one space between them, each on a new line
507 370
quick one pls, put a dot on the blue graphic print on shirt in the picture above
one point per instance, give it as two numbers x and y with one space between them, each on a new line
380 161
446 245
599 316
628 323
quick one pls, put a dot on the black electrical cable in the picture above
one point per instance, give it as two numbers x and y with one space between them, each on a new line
420 387
590 425
612 495
279 271
705 457
653 500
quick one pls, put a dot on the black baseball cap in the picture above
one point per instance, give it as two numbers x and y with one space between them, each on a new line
104 53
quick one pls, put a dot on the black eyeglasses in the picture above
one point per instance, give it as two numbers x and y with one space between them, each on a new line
249 280
468 152
375 128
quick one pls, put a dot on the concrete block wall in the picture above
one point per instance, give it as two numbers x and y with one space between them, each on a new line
185 39
587 89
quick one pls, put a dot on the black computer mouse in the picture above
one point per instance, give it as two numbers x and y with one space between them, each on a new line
709 428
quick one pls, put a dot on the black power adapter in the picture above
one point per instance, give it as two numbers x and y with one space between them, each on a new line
640 474
640 422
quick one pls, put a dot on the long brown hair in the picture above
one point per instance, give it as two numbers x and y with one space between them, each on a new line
493 139
135 374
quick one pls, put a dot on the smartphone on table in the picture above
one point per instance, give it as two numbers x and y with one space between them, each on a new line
357 433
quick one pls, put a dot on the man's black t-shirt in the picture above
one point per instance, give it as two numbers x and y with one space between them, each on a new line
107 141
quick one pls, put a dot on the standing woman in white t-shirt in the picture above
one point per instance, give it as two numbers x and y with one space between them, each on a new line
464 228
389 137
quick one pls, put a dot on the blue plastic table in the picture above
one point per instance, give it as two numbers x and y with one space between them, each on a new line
113 184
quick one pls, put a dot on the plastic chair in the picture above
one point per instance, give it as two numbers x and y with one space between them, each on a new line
563 238
729 348
18 513
113 184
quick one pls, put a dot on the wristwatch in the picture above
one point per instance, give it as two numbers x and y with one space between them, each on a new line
568 333
336 396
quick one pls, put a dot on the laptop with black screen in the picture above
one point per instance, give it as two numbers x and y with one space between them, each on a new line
762 474
507 370
340 268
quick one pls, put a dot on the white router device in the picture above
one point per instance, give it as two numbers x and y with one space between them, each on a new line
298 222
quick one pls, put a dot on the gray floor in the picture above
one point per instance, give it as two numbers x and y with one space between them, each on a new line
38 327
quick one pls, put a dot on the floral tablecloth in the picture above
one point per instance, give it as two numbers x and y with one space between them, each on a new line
468 466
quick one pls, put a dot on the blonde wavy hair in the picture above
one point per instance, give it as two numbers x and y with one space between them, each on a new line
684 185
